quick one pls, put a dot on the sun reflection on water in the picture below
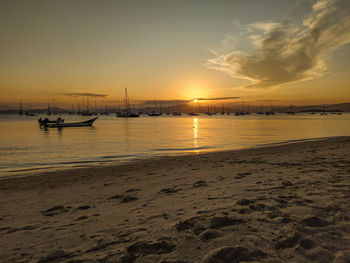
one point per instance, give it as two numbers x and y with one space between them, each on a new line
195 133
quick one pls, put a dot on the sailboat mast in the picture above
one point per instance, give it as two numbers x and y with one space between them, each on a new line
20 108
126 100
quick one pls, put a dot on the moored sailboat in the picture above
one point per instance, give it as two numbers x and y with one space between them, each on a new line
126 113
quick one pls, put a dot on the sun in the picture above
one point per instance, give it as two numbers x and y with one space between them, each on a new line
194 91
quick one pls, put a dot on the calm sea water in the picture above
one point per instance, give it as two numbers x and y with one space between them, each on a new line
25 147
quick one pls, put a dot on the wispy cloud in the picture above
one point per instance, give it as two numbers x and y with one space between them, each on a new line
174 102
164 102
221 98
287 52
85 94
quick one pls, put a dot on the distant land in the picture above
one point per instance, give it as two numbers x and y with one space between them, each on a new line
202 108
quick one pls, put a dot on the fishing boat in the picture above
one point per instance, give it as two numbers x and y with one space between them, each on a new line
59 123
46 120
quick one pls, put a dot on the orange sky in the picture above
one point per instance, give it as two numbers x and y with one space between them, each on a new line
174 50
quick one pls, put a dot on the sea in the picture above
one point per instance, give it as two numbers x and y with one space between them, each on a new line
25 148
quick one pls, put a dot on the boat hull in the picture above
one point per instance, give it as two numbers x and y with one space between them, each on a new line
76 124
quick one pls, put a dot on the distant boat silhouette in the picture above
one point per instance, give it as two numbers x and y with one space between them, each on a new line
29 113
154 113
20 112
177 113
261 110
208 112
105 112
126 113
86 113
48 109
291 112
324 110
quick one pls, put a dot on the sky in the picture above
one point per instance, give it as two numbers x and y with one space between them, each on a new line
271 51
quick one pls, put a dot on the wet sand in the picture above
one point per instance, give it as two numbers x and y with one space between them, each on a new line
278 203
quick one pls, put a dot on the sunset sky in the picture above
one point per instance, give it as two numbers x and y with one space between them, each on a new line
280 51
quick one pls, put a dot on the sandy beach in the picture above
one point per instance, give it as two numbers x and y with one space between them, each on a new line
277 203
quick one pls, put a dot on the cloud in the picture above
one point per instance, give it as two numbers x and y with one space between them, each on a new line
221 98
287 52
85 94
266 27
164 102
175 102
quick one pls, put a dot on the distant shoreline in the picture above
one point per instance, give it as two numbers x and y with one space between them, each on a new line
232 107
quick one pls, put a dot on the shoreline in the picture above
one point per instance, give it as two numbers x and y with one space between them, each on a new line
275 203
41 171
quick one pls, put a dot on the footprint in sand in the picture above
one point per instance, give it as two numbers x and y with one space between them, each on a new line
146 248
143 249
242 175
81 218
84 207
217 222
200 183
196 224
288 242
210 234
169 190
232 255
314 221
54 256
123 198
307 243
55 211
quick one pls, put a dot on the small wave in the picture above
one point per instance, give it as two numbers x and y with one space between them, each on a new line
30 169
183 149
116 156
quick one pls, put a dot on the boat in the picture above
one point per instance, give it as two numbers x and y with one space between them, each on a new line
105 112
324 110
153 113
59 123
20 112
29 113
208 112
86 113
126 113
261 110
46 120
291 112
